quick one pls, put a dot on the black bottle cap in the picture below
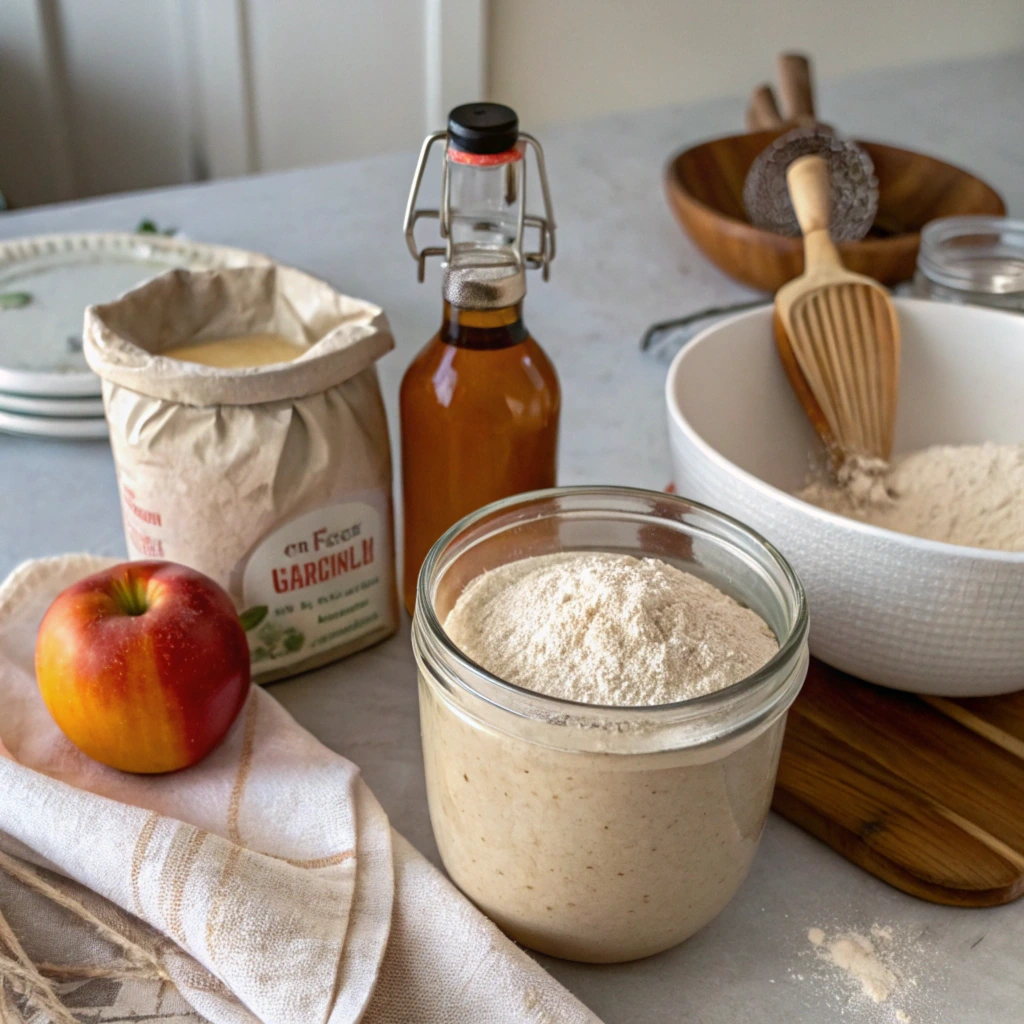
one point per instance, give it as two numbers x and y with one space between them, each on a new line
483 128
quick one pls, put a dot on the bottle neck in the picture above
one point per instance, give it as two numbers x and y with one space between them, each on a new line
484 268
484 211
483 329
483 287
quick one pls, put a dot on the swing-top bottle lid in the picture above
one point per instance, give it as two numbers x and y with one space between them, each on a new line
483 128
482 217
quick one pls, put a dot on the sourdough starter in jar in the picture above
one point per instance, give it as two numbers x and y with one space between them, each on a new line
597 854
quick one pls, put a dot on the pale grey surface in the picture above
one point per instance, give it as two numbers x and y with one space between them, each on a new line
622 263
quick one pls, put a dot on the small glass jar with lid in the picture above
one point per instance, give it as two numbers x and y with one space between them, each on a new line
972 260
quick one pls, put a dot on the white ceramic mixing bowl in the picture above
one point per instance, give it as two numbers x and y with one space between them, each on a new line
897 610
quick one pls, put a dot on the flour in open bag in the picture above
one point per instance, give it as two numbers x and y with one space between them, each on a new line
273 480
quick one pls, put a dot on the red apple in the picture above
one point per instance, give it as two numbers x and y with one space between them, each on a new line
144 666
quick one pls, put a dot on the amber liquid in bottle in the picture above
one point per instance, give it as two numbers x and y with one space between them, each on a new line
479 412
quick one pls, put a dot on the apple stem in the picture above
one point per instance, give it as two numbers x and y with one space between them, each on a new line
131 595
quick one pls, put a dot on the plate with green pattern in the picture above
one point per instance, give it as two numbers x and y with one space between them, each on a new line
47 281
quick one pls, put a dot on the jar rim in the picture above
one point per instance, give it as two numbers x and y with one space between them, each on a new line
942 262
780 665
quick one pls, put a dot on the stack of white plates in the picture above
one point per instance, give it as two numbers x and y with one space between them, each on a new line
58 411
46 388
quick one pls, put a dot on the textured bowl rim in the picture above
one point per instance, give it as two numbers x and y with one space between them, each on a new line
832 519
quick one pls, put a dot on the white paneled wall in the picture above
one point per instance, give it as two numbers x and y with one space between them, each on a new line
556 59
35 151
361 62
100 96
123 68
104 95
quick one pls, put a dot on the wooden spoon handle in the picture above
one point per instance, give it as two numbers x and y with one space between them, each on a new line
810 189
762 110
794 70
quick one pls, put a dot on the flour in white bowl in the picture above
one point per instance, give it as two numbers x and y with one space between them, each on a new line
971 495
608 629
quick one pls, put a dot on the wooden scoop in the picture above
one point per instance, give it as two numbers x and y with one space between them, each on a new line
837 333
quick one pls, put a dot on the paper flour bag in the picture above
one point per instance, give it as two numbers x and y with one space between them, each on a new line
275 480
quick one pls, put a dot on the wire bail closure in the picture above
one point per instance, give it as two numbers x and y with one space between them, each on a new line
545 225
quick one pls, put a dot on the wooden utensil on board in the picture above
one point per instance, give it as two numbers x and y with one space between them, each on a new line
923 792
839 330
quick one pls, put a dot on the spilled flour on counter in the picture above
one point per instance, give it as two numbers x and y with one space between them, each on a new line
859 957
881 975
971 495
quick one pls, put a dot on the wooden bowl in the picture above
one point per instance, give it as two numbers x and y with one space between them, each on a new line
705 190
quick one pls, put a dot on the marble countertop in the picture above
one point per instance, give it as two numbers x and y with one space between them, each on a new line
622 264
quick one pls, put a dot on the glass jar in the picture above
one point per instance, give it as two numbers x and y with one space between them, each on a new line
596 833
973 260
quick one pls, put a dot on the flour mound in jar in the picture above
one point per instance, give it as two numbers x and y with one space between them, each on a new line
607 629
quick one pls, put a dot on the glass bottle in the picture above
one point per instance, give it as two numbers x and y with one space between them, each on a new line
480 403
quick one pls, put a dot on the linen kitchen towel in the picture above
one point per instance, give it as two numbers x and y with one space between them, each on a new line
262 885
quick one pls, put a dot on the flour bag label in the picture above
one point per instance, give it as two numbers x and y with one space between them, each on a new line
317 582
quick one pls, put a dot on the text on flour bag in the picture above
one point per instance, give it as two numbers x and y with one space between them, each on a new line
251 443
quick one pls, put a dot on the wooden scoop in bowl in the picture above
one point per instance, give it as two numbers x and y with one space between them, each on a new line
837 333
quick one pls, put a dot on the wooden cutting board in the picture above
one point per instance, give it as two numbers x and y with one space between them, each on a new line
925 793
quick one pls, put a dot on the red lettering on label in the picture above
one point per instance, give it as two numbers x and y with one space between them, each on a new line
298 576
143 514
151 547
